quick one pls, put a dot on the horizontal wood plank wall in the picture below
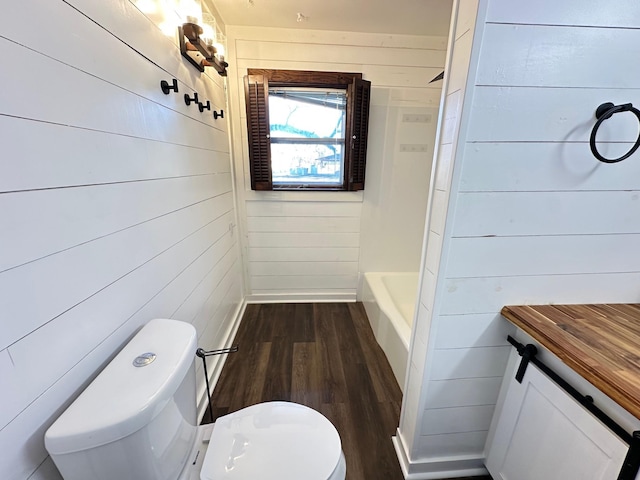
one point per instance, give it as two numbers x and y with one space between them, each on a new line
308 245
116 207
530 216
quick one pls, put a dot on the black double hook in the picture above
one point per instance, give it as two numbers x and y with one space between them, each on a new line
216 114
202 106
603 112
188 99
166 88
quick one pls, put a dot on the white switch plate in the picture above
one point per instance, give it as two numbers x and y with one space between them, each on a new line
413 147
416 118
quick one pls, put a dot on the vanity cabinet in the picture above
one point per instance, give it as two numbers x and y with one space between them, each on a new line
540 432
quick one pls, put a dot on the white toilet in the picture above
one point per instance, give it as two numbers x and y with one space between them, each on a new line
137 421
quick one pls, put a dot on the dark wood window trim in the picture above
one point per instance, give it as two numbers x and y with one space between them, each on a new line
257 83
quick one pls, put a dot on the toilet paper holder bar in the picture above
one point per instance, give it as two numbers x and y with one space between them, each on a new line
203 354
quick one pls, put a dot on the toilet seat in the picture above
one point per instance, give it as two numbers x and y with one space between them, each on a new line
273 441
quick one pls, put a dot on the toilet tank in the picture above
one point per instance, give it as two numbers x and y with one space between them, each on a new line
137 419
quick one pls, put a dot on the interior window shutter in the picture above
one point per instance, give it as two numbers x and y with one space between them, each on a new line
256 91
359 94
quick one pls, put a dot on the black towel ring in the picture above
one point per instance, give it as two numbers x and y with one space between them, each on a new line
603 112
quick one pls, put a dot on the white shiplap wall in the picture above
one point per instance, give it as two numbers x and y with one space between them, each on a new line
522 212
311 245
116 204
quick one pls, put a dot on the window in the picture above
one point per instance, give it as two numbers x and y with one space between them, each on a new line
307 130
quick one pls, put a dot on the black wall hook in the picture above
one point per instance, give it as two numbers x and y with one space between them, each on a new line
603 112
166 88
188 99
202 107
216 114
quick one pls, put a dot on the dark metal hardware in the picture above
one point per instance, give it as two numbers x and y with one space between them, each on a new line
216 114
166 88
527 353
631 464
202 107
203 354
188 99
208 353
603 112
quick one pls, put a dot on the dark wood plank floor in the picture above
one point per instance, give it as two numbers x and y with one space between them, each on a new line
326 357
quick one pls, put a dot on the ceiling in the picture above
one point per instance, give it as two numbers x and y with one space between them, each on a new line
410 17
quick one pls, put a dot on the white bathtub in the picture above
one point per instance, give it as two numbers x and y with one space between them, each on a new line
389 300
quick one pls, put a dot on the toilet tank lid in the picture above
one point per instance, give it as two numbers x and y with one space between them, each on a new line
124 398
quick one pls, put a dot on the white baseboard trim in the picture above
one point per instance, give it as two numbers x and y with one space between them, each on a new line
304 297
218 364
438 468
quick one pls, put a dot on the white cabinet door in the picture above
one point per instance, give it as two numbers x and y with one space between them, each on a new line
543 433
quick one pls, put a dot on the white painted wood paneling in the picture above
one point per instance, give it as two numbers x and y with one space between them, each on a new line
338 54
92 157
304 209
588 13
553 115
112 109
543 255
466 19
461 392
451 444
116 207
451 115
40 223
303 224
460 63
469 331
432 254
303 240
304 282
304 268
489 295
547 213
527 167
457 419
41 297
324 37
469 362
320 254
520 55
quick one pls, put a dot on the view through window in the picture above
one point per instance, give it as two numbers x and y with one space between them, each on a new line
307 130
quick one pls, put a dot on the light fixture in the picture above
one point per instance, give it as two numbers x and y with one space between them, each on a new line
201 46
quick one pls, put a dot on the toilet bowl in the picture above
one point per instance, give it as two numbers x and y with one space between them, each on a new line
137 420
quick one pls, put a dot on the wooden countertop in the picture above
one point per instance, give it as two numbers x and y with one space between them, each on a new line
600 342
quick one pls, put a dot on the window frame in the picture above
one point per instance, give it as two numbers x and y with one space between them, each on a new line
257 84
